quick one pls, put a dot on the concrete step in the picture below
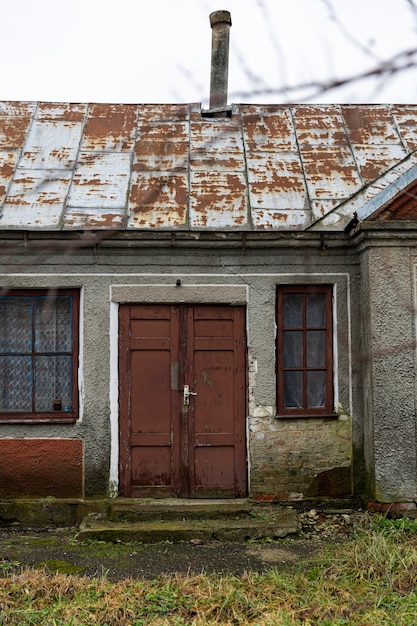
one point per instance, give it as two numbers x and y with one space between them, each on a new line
154 521
150 509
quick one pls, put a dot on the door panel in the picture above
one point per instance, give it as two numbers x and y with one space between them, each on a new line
168 447
149 452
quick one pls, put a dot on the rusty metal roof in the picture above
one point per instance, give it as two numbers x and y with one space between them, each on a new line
106 166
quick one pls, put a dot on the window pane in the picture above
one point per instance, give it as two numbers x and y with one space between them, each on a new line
316 309
15 324
15 383
316 389
53 382
53 324
316 346
293 348
293 310
293 390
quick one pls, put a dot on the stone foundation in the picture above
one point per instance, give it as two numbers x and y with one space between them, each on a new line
299 458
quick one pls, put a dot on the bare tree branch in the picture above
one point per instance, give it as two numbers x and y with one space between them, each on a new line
349 37
404 60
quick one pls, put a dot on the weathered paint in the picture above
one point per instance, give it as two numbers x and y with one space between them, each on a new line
173 443
320 126
139 167
370 125
51 144
36 198
41 468
212 141
161 147
15 118
110 127
101 181
218 200
158 200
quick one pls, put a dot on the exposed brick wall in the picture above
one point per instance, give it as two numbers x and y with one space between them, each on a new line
39 468
294 459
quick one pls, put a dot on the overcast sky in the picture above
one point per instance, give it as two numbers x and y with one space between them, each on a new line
137 51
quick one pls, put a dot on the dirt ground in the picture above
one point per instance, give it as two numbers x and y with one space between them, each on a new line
59 550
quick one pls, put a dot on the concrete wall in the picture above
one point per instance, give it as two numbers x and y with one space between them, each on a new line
288 459
388 262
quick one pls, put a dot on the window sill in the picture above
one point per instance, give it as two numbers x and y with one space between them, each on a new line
8 419
289 416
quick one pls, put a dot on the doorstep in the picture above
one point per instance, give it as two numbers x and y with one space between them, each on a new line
153 520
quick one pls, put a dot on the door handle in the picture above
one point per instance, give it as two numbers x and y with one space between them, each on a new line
187 394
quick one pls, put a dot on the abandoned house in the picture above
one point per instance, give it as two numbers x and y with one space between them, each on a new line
212 303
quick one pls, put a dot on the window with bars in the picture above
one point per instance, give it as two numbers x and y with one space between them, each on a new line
304 351
39 355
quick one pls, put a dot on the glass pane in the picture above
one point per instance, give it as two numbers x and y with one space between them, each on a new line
15 324
53 324
316 389
293 348
15 383
316 344
293 390
53 383
293 310
316 309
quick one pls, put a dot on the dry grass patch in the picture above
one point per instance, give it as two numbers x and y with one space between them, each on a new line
368 580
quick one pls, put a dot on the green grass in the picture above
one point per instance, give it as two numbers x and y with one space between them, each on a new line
370 579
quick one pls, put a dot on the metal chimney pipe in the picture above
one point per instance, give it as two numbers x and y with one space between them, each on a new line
221 22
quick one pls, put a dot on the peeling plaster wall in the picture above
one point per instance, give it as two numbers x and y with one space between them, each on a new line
287 458
291 459
296 459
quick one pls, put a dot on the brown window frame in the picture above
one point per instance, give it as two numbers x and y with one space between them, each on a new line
327 410
54 416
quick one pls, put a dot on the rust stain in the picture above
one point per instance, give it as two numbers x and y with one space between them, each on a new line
319 125
15 118
276 180
162 147
164 112
288 219
51 144
406 120
268 128
6 169
158 199
370 124
218 199
330 172
282 217
100 181
61 111
268 166
110 127
216 146
376 159
84 219
40 189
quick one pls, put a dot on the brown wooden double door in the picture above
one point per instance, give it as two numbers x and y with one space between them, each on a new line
174 443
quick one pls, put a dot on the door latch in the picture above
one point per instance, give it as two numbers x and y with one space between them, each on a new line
187 394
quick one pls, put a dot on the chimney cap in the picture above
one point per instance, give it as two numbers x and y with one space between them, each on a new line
219 17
